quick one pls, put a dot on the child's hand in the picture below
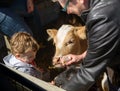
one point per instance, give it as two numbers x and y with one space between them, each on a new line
52 82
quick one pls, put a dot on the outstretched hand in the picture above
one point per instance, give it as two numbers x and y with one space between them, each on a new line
71 58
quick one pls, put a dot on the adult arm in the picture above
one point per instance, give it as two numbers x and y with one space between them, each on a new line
103 41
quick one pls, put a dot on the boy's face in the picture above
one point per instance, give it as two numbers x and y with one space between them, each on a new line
27 57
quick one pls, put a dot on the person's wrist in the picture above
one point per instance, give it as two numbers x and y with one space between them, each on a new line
83 55
80 57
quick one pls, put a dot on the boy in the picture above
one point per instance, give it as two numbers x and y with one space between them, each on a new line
23 51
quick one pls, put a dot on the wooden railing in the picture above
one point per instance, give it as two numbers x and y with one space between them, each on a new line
32 83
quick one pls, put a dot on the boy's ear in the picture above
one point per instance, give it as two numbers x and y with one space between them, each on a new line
17 55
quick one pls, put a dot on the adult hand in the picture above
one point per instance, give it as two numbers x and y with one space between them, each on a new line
71 58
30 6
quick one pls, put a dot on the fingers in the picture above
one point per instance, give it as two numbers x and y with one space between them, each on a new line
52 82
65 59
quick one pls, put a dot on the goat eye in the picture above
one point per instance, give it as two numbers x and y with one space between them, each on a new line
71 41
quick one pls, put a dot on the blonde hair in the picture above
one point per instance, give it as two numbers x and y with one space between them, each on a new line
22 42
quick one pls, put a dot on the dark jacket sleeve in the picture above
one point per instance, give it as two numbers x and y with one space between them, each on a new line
6 3
103 41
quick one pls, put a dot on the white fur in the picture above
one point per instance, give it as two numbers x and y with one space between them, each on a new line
62 32
104 82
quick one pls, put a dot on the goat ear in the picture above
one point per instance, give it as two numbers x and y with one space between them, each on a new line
81 32
52 33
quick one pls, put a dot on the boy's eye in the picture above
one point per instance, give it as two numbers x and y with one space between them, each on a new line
30 56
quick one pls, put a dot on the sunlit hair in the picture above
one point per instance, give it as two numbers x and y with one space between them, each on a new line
23 42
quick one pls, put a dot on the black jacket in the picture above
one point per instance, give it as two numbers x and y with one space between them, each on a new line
103 32
5 3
